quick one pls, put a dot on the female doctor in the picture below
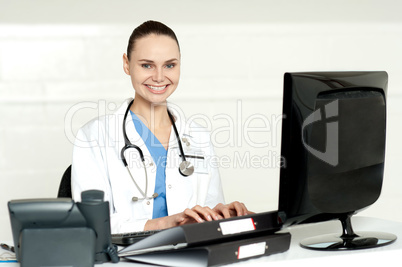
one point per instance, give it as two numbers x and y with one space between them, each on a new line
152 165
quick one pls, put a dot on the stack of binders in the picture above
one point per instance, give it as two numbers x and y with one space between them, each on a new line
212 243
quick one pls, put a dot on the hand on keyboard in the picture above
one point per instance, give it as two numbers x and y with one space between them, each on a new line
193 215
199 214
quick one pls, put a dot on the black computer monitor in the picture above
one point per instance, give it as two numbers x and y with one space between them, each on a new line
333 150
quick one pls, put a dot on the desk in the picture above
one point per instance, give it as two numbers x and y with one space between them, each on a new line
297 256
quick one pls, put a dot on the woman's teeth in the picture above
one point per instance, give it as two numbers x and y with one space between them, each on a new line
157 88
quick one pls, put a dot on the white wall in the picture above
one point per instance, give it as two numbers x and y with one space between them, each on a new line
56 56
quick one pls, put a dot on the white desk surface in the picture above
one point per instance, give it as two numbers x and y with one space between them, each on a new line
297 256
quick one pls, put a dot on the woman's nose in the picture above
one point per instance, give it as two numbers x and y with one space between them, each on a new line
158 75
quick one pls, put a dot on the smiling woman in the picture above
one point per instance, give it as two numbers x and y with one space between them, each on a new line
154 69
185 191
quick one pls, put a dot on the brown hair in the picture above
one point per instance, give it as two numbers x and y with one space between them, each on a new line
147 28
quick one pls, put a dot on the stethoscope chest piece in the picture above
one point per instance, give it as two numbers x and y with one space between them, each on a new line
186 168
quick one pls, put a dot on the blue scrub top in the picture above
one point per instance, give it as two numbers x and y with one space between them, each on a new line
159 155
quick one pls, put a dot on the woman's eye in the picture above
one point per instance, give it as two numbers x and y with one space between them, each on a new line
169 66
146 66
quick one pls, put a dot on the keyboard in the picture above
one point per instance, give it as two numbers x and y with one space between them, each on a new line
125 239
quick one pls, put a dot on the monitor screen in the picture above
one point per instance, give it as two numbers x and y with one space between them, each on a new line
333 144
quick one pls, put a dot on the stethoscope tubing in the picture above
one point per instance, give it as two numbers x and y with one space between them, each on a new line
128 144
185 167
183 157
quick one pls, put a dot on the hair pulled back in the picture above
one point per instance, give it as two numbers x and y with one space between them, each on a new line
147 28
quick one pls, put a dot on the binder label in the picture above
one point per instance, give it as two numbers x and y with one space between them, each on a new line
251 250
237 226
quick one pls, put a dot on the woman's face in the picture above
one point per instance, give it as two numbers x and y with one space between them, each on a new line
154 67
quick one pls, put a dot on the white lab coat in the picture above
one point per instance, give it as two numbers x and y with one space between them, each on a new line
97 164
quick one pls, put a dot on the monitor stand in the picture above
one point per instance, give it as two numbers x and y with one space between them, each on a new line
349 240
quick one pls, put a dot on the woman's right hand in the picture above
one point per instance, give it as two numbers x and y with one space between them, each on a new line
196 214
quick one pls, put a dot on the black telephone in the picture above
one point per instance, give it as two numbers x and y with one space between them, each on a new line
60 232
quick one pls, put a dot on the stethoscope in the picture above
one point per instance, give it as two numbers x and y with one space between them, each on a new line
185 167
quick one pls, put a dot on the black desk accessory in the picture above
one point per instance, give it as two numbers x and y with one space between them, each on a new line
59 232
213 231
215 254
126 239
214 242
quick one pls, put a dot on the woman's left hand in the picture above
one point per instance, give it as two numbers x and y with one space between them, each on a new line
231 210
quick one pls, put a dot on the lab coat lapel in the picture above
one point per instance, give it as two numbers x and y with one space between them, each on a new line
180 190
173 156
181 128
